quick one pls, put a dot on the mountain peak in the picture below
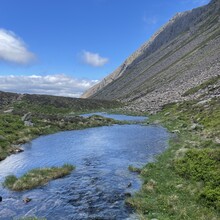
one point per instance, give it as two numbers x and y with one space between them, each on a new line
183 53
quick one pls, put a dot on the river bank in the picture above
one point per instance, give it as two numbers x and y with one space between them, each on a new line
183 183
15 131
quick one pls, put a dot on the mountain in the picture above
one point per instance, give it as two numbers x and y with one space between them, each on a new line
183 54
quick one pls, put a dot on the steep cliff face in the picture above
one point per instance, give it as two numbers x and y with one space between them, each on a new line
182 54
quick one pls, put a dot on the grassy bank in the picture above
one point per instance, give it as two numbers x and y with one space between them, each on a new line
24 117
14 132
184 182
36 177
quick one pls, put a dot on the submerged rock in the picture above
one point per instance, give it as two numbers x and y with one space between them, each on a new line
26 200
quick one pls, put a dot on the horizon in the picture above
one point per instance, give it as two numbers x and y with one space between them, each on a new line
82 41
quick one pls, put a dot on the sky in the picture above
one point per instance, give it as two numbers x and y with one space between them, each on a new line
63 47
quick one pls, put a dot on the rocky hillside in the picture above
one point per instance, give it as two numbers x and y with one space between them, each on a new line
23 103
183 54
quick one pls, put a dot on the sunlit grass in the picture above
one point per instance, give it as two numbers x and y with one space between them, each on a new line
37 177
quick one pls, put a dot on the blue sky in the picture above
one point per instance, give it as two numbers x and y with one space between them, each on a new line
62 47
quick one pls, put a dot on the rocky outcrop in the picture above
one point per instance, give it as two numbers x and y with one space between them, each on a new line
7 98
181 55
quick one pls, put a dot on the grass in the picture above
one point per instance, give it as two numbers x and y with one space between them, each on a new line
184 182
13 131
134 169
36 177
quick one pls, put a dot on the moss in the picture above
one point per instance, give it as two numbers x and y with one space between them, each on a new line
36 177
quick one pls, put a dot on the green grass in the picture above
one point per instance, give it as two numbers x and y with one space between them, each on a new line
134 169
36 177
184 182
13 131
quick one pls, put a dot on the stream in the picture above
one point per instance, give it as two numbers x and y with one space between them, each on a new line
97 189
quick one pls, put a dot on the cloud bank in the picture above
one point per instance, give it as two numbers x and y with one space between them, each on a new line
60 85
13 49
93 59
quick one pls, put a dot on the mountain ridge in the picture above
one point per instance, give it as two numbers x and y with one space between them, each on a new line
182 54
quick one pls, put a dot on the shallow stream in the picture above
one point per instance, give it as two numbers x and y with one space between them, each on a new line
97 188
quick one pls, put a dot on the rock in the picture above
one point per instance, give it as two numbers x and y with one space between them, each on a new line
26 117
129 185
176 131
127 194
26 200
18 150
2 137
196 126
28 124
0 199
9 110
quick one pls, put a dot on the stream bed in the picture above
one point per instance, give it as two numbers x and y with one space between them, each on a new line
97 189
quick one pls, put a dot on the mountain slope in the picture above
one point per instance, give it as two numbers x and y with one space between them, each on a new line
181 55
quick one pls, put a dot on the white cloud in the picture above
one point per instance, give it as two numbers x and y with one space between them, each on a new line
93 59
60 85
13 49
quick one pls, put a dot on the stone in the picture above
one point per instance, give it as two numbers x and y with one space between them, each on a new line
127 194
2 137
28 124
26 200
0 199
129 185
26 117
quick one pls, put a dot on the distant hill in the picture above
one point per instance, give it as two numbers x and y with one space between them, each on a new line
183 54
21 103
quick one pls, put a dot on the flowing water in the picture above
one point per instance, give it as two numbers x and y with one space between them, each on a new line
98 187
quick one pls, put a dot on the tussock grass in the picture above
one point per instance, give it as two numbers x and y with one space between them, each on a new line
184 182
37 177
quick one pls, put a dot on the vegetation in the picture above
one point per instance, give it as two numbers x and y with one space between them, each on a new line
53 105
49 114
204 85
36 177
134 169
184 182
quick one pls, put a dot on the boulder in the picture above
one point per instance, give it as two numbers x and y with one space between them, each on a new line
28 123
26 117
